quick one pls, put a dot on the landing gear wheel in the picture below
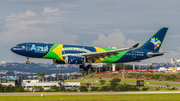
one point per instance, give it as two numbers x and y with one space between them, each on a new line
27 62
81 66
89 66
85 69
93 69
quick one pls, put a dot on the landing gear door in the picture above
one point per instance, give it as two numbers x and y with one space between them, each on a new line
134 54
27 47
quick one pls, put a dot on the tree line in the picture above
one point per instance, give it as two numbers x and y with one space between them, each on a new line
11 88
114 85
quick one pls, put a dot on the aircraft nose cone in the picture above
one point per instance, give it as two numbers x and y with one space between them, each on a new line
12 49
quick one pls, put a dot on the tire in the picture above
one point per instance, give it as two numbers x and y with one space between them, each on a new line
81 66
89 66
93 69
27 62
85 69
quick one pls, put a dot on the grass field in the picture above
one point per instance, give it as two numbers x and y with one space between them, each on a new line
121 97
133 81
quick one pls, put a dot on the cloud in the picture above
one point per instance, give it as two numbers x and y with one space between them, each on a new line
131 42
141 31
14 17
32 27
178 48
24 26
38 1
116 39
50 10
174 36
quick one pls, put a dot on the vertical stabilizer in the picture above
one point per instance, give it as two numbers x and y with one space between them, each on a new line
155 42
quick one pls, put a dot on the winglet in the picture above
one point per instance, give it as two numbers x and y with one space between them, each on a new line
136 45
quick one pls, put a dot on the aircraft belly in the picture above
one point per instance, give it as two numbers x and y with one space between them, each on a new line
32 54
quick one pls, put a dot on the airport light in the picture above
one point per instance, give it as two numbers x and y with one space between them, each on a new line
148 84
155 68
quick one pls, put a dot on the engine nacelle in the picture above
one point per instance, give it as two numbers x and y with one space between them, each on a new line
58 62
73 60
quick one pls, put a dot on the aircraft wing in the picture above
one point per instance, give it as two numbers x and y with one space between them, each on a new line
103 54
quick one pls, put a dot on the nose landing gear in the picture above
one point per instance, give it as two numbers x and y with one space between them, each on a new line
27 60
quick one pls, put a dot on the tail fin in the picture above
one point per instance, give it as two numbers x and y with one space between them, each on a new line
155 42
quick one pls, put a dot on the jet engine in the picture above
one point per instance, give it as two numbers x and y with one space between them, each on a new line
58 62
73 60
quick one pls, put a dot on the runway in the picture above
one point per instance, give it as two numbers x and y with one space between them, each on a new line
88 93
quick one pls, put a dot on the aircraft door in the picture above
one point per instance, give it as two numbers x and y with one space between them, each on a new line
27 47
133 54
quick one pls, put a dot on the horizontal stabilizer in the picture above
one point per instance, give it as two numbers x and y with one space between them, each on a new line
150 54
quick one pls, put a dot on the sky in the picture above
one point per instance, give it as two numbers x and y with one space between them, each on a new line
103 23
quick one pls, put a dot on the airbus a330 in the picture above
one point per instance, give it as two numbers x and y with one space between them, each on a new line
74 54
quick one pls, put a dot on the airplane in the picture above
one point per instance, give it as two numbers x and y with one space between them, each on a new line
74 54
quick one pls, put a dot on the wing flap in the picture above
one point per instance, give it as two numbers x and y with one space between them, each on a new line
106 54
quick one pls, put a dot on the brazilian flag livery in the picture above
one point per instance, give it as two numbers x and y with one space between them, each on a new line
57 50
60 52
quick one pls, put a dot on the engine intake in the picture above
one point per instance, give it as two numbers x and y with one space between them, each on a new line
73 60
58 62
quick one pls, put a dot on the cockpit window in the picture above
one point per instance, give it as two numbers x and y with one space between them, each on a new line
18 46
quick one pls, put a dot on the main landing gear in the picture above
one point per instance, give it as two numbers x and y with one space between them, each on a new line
87 68
27 60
